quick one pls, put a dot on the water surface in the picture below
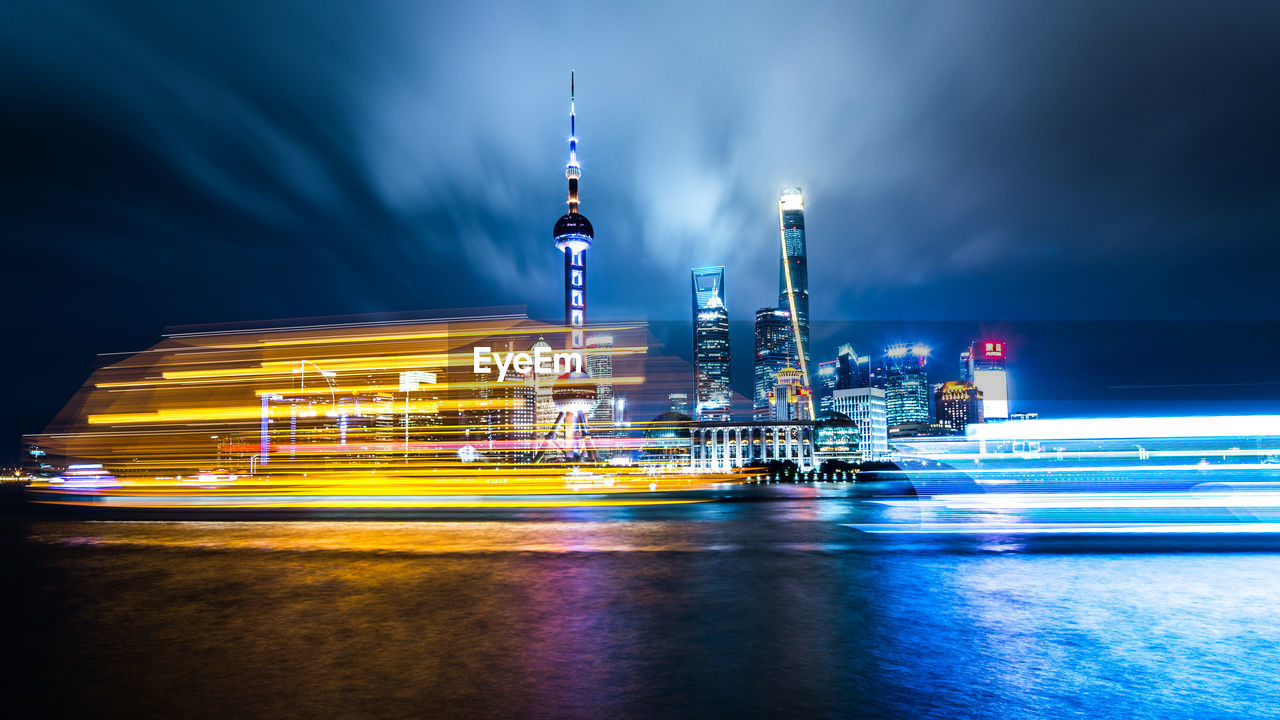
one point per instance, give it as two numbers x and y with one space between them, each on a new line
758 609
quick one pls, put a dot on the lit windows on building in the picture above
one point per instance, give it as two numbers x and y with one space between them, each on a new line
867 409
774 350
902 376
959 405
711 392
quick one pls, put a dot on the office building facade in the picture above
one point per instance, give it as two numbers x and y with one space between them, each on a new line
712 396
984 366
867 409
775 347
902 375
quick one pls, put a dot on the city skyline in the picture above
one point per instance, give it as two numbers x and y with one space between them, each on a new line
918 359
339 187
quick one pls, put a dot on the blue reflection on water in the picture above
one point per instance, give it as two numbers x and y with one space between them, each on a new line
726 610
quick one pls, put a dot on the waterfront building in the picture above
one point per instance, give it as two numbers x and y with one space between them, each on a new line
903 377
790 397
867 409
793 274
711 392
667 442
723 446
837 438
984 366
959 405
775 348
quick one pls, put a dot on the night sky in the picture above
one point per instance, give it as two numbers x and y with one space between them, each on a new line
168 163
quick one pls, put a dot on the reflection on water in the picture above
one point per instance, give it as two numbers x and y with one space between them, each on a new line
717 610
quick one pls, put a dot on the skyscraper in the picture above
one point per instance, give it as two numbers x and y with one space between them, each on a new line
711 393
573 234
983 365
902 376
775 349
542 383
599 357
825 385
852 370
793 273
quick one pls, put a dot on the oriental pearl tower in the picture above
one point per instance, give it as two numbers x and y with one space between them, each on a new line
575 392
573 234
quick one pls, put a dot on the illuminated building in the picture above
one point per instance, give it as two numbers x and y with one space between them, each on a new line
679 403
983 365
789 397
573 235
599 359
836 437
866 408
958 405
825 385
724 446
667 441
775 346
502 429
542 383
712 395
902 376
793 274
852 370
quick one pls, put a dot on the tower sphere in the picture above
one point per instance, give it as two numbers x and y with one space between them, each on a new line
573 224
574 392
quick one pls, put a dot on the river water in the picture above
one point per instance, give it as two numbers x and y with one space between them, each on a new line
747 609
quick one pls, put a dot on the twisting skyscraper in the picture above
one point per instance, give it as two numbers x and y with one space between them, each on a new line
573 234
793 273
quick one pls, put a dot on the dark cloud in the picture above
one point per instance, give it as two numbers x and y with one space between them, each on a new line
170 163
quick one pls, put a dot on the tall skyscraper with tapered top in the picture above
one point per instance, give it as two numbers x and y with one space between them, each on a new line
793 274
712 395
573 234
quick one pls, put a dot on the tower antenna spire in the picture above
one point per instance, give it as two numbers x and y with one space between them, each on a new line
573 171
